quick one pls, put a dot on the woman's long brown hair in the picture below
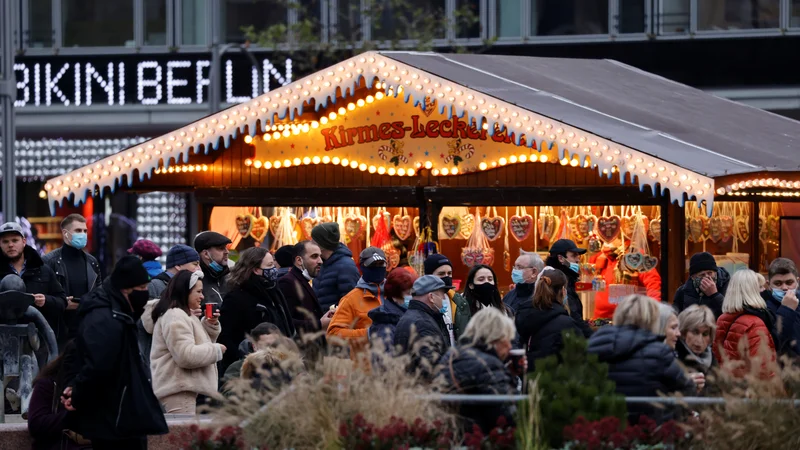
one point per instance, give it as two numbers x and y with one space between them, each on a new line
549 289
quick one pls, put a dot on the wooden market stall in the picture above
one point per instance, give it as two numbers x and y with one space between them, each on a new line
481 155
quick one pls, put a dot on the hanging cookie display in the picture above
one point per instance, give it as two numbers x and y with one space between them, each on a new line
244 223
492 225
402 225
382 240
506 252
520 224
608 225
468 222
308 222
637 258
449 225
478 250
742 222
655 228
382 212
423 247
285 234
260 227
564 231
416 226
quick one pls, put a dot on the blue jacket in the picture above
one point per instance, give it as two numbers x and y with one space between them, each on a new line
788 324
384 321
337 277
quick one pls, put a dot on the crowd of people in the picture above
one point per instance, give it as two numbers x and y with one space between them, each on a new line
144 342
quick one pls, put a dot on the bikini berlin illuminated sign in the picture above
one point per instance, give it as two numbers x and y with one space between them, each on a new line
165 79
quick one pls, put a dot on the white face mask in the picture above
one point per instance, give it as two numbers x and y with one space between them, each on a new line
305 273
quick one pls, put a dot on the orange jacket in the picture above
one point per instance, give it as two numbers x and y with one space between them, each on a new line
731 328
351 320
606 266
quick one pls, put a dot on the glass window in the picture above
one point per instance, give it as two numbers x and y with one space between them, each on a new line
260 14
737 14
794 16
631 16
508 18
468 19
40 25
193 22
155 22
673 16
348 21
569 17
309 21
95 23
395 20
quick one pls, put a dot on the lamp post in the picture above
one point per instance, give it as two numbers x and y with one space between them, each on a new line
8 94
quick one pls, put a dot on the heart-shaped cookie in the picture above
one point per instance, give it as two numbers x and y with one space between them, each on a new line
634 260
353 227
274 222
260 228
727 228
581 227
451 226
521 226
416 225
244 224
492 227
467 226
715 229
742 228
488 256
774 226
697 228
655 230
609 227
627 224
402 227
472 257
649 263
307 224
763 232
594 244
392 257
549 226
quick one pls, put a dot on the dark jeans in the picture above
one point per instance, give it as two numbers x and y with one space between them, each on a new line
127 444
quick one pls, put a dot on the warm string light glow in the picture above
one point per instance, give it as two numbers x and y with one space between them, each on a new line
763 194
756 183
182 169
395 79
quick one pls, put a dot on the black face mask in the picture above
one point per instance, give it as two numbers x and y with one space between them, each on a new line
138 301
485 292
448 281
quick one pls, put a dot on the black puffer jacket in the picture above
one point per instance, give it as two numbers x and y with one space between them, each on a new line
521 294
478 371
111 393
422 333
687 295
384 322
641 365
573 301
540 330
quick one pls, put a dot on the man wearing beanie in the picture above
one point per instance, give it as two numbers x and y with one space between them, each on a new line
339 273
284 257
706 285
111 399
457 309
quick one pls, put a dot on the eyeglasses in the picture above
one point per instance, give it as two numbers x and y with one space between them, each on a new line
522 268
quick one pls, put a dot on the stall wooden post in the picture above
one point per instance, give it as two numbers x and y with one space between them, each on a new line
673 254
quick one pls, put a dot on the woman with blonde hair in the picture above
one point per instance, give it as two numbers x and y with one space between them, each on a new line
477 367
668 324
639 361
697 327
745 315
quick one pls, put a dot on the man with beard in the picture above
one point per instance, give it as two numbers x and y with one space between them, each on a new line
111 397
213 250
307 314
566 257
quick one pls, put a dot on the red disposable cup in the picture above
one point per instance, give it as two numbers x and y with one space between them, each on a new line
211 308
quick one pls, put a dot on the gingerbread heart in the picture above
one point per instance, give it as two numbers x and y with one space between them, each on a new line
742 228
402 227
727 228
467 225
307 224
392 256
634 260
715 229
260 228
451 226
582 227
774 226
416 225
627 224
763 232
492 227
244 224
549 225
649 263
594 244
655 230
697 228
274 222
353 227
521 226
609 227
472 257
488 256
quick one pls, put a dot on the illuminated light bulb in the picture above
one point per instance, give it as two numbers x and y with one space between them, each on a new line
286 132
605 171
502 161
287 163
494 164
372 169
323 120
574 163
721 191
296 161
205 168
523 158
276 135
306 127
381 170
485 126
351 106
332 115
411 172
276 164
700 192
345 162
391 171
401 171
315 124
444 171
248 139
267 165
296 131
360 102
435 172
248 162
306 160
342 111
482 166
370 99
336 160
378 96
454 171
631 167
326 159
512 159
428 164
315 160
564 161
353 164
267 137
362 167
543 158
534 158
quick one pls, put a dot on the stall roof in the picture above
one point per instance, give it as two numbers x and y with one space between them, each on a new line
663 134
671 121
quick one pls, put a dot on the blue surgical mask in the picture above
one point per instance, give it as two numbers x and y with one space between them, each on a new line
517 277
575 267
778 294
406 300
78 240
215 266
443 310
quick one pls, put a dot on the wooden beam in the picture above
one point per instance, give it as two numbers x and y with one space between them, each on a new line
376 196
673 249
534 195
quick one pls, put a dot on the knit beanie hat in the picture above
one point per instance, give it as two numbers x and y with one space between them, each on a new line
181 254
326 235
146 249
129 273
435 261
702 261
284 256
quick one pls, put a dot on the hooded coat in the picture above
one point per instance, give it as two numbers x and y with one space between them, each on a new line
112 393
573 301
384 322
640 364
540 330
422 333
336 278
687 295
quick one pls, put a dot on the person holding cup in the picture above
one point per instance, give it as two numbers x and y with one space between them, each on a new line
184 356
483 364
